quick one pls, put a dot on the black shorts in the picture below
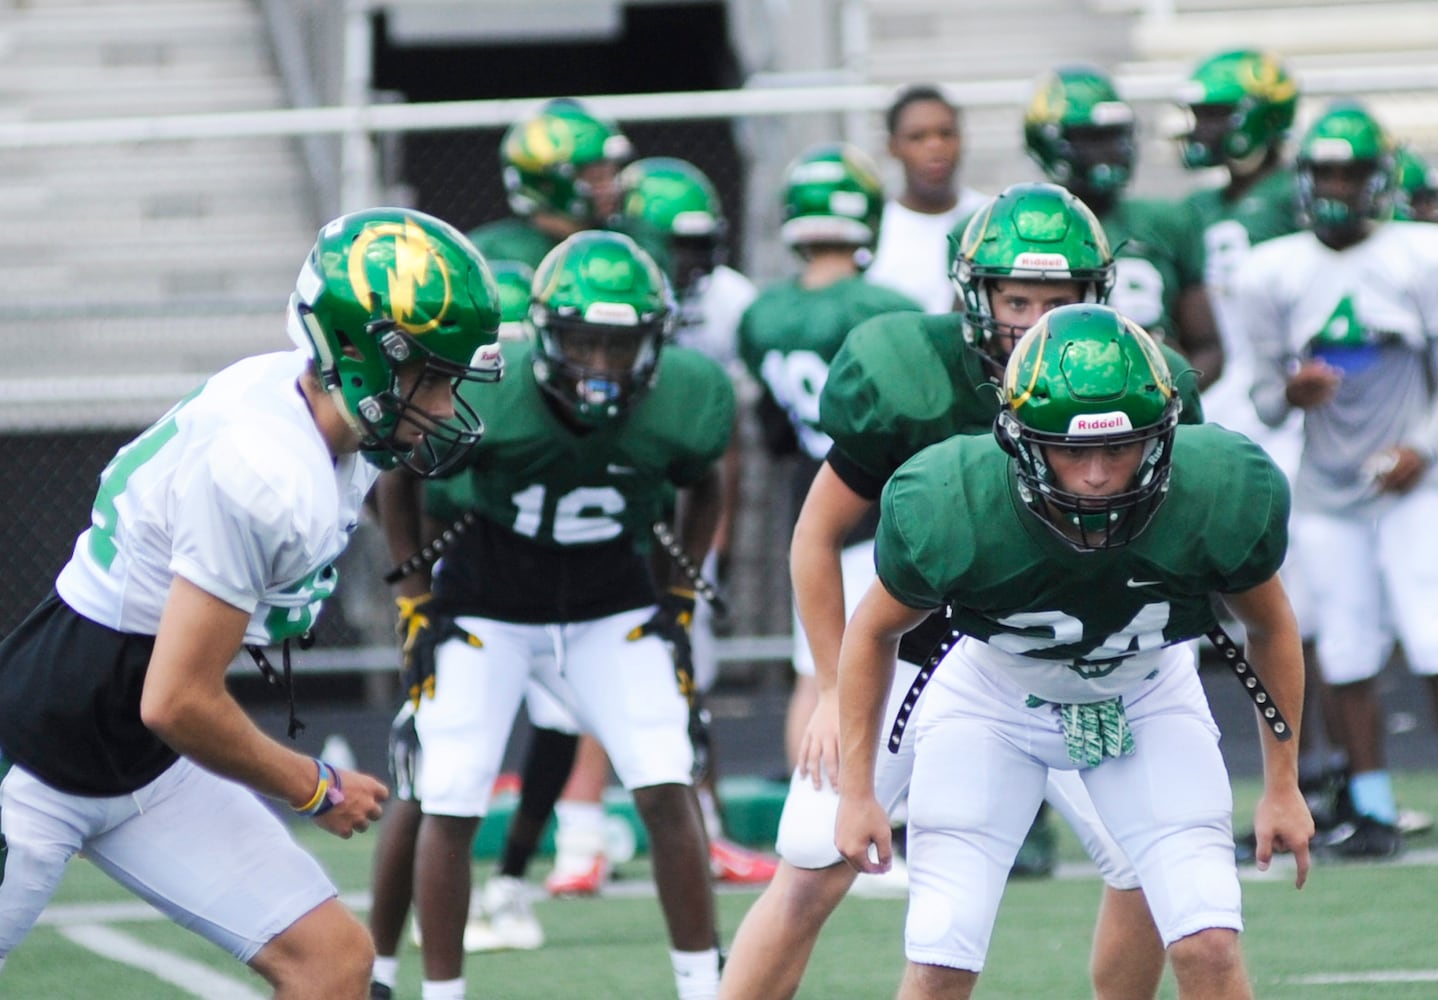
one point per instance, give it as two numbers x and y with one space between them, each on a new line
70 703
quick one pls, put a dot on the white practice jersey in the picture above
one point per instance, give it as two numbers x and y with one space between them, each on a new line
912 255
1371 311
235 490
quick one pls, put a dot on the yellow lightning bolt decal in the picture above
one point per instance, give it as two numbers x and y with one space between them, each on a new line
541 143
1049 103
1266 80
412 253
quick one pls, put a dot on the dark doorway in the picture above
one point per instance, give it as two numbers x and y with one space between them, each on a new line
661 48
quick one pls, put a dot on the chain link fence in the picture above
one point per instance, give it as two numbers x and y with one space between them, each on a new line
139 264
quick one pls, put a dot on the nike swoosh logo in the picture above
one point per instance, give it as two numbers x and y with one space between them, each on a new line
621 470
1143 583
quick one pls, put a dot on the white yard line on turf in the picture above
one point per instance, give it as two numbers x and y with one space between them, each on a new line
1353 978
184 974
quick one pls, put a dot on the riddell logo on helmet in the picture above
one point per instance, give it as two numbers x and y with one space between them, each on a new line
1100 423
1030 261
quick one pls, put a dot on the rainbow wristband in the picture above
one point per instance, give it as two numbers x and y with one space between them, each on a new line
328 792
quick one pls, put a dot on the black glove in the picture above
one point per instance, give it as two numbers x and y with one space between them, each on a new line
671 623
421 632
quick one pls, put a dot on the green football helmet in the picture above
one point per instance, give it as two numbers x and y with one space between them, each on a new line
513 279
1081 134
601 310
1085 376
1028 232
672 199
832 195
1417 192
385 289
542 157
1345 139
1242 103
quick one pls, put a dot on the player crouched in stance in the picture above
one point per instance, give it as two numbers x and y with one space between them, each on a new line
1104 534
597 427
217 529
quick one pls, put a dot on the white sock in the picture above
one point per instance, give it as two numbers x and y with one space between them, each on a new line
696 974
579 828
578 815
449 989
386 970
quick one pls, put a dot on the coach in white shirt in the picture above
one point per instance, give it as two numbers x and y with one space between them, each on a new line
912 255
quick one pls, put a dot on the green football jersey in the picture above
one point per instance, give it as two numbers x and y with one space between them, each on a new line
1231 228
1158 252
954 530
903 382
788 336
538 477
513 239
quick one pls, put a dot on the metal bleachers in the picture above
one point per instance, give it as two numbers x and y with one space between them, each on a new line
196 240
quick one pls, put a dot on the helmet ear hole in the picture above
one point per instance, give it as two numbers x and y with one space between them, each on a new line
1006 429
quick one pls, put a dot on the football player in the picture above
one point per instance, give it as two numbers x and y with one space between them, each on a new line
1417 193
832 204
504 919
673 199
598 422
560 170
1078 549
1240 104
671 207
677 203
216 530
900 383
1082 135
1356 356
926 138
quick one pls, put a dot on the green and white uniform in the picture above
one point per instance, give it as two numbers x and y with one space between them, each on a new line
1047 626
556 563
787 339
901 383
1158 252
790 334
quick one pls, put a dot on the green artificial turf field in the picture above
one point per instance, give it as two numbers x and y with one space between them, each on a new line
1357 932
